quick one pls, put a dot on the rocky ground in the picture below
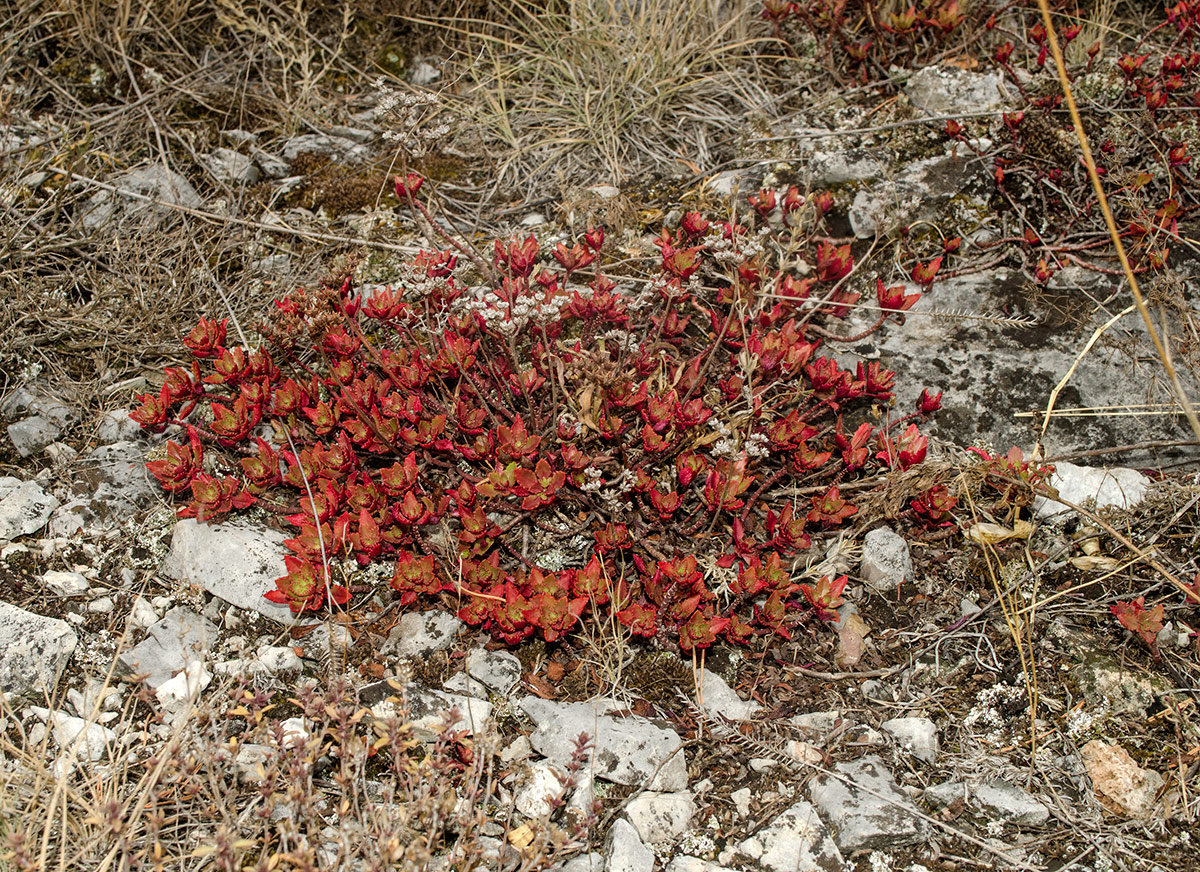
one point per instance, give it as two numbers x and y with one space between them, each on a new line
976 705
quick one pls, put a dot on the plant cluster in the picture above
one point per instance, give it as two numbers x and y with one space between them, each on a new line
556 442
863 40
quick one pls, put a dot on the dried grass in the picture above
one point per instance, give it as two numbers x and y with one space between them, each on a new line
628 88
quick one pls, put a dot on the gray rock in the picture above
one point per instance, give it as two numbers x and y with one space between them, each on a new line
35 650
117 474
24 507
886 562
860 820
828 168
796 841
340 147
357 134
231 167
272 264
425 709
1010 803
917 736
722 699
915 193
419 634
181 637
156 182
499 670
948 91
272 166
686 863
624 851
65 584
238 564
991 369
1118 487
1107 684
626 751
941 795
590 862
237 136
424 73
76 518
661 818
30 435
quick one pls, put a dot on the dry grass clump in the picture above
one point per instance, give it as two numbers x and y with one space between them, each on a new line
251 780
628 87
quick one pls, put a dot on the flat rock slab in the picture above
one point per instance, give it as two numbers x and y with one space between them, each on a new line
238 564
150 183
991 370
24 507
35 649
796 841
1118 487
179 638
623 750
862 820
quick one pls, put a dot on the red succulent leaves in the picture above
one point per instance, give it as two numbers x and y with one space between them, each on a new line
408 412
1137 619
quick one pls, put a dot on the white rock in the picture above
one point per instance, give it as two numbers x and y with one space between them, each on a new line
624 851
24 508
685 863
917 736
278 659
661 818
178 693
239 564
885 560
295 731
65 584
35 650
741 801
796 841
101 606
518 749
627 750
543 782
1118 487
419 634
30 435
499 670
722 699
77 736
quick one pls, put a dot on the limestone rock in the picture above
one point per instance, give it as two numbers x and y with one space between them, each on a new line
880 819
35 650
626 750
24 507
238 564
796 841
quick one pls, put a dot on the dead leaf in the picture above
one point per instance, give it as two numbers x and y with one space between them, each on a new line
555 671
1093 564
521 837
993 534
540 686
